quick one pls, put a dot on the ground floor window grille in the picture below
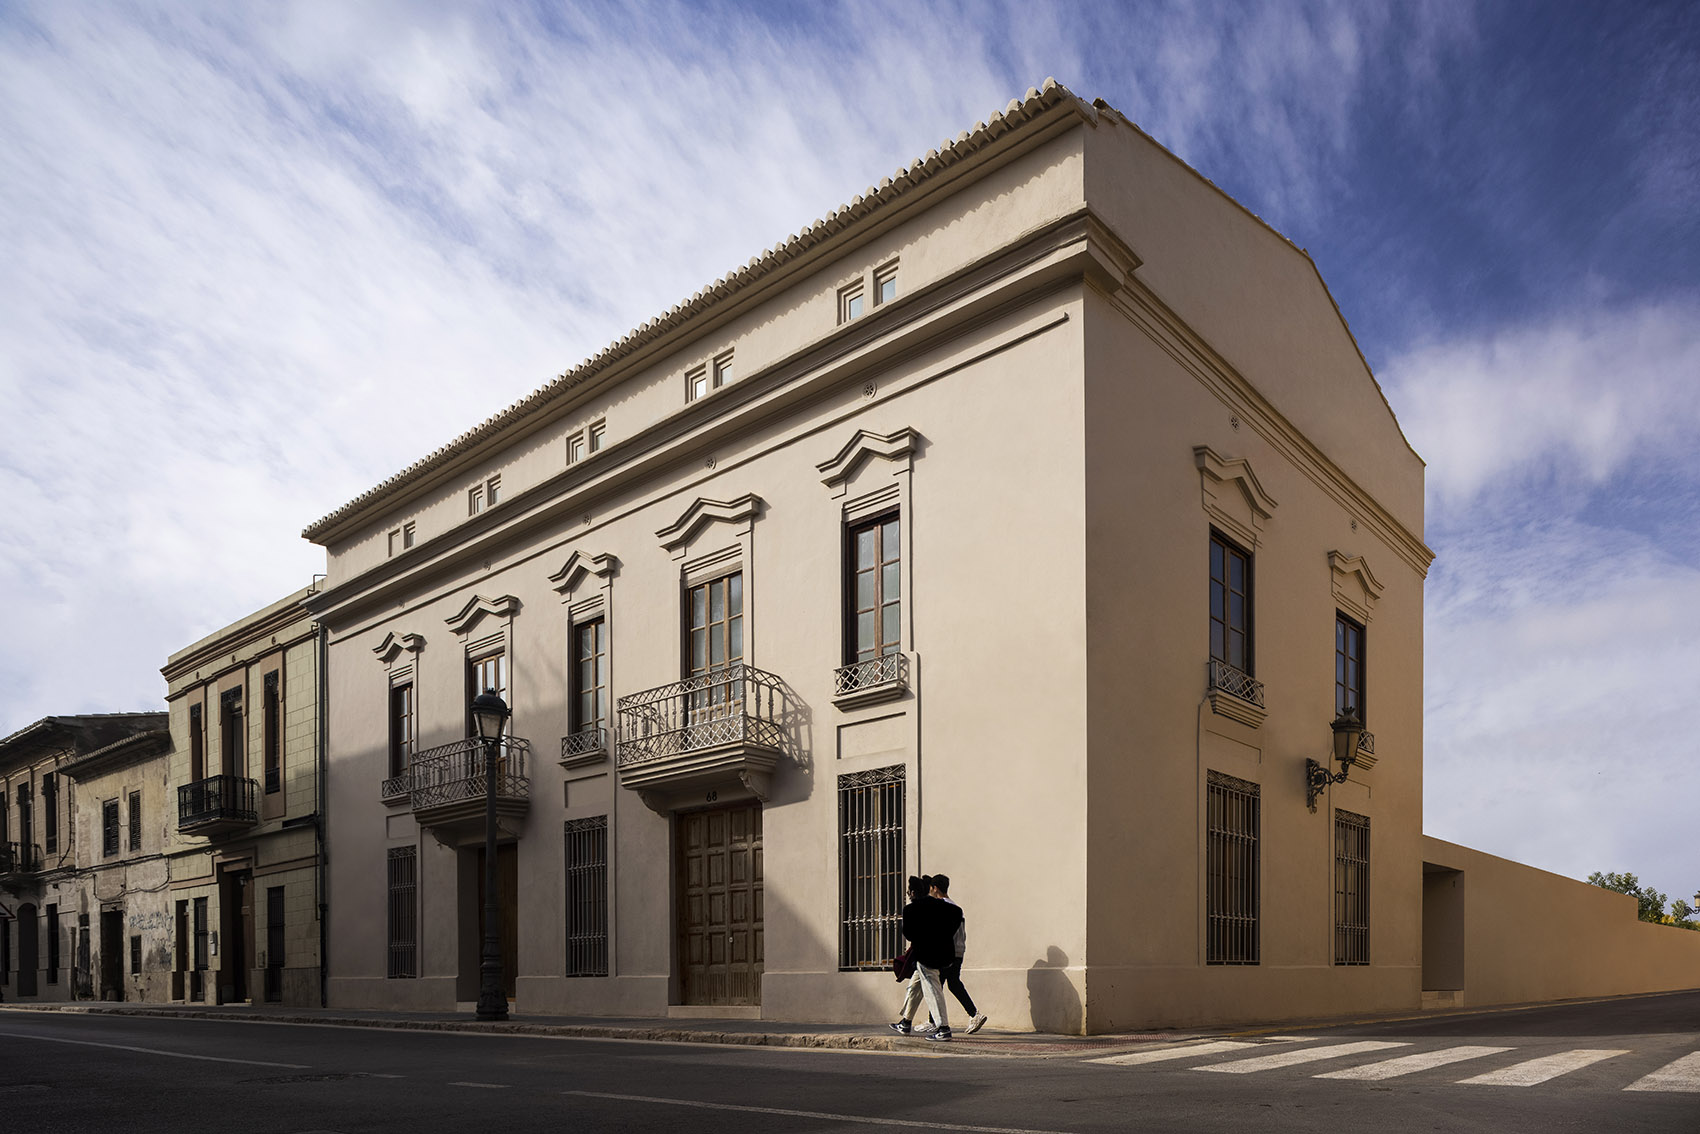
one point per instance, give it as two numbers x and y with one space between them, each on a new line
135 955
404 912
587 896
870 867
197 982
1231 870
1351 888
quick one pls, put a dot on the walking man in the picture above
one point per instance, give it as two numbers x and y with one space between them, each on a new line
953 972
930 927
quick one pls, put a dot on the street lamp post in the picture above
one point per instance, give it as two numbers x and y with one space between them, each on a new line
490 713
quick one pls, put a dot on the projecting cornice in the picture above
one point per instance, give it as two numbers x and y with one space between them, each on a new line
863 445
393 644
477 607
578 565
703 512
1356 588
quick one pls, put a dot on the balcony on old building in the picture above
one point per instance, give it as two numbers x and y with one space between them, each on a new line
712 733
446 788
870 682
1235 694
18 860
584 748
216 805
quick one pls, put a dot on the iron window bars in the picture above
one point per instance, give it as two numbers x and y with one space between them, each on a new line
403 929
587 896
1231 870
870 867
1351 888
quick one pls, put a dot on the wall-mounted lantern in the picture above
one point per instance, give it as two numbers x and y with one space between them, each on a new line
1353 747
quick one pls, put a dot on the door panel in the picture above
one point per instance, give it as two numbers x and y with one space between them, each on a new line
719 873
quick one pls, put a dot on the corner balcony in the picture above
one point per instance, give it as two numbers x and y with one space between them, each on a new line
216 805
446 787
687 742
18 860
870 682
1236 695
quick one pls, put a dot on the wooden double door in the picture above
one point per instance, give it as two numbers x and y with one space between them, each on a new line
719 883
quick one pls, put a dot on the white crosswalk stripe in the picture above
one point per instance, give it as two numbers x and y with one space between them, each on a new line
1411 1064
1682 1075
1159 1055
1302 1055
1532 1071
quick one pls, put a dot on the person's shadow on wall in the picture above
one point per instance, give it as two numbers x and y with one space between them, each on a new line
1052 997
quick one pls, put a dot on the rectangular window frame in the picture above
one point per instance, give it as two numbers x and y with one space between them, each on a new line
696 383
232 733
590 702
586 896
197 744
53 931
1223 626
486 670
404 724
597 436
109 834
135 954
50 813
402 920
1351 668
852 302
271 730
1351 888
1233 871
872 856
884 610
135 820
575 448
885 284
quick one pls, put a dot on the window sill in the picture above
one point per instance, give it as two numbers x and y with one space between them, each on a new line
871 682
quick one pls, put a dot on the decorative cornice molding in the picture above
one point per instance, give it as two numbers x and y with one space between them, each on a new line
1359 598
898 446
394 644
1233 496
1221 470
477 607
703 512
579 565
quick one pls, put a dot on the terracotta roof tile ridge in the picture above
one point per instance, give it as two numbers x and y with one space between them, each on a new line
1013 116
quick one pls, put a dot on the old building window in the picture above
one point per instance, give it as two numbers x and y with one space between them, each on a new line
714 641
483 495
1348 666
590 675
702 379
1351 888
587 896
231 732
197 745
135 955
200 938
401 727
1230 604
1231 871
873 610
135 820
403 912
109 828
276 950
723 370
696 383
885 284
50 812
850 302
487 673
870 867
26 821
575 448
53 944
598 436
271 732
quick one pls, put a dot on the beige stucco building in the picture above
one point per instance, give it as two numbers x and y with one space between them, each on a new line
82 876
1032 519
245 844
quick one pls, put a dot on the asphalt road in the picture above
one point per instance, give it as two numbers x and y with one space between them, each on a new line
1547 1070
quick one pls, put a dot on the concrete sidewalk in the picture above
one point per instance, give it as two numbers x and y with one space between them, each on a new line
745 1032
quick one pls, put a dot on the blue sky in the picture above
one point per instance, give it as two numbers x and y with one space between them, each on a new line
259 257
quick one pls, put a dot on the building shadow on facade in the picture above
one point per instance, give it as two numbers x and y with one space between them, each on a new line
1052 998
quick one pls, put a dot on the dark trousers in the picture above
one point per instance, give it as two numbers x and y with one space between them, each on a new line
952 976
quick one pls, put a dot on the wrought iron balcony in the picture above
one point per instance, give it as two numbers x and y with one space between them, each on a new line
1235 694
714 730
585 747
446 784
1366 752
872 681
18 859
216 805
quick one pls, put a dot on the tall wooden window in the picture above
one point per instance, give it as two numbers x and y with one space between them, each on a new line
135 955
1348 666
50 812
402 726
109 828
715 640
403 912
271 732
231 733
26 820
5 820
590 675
874 611
1351 888
135 820
587 896
200 931
485 674
1230 604
1231 871
870 867
197 745
5 953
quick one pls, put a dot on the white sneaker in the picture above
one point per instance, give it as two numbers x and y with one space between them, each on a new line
978 1023
926 1029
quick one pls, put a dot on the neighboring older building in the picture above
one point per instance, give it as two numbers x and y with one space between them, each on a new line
69 920
1033 519
245 891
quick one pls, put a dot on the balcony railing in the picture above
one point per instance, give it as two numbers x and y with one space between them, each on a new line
1235 683
871 681
736 705
586 746
19 858
455 773
217 802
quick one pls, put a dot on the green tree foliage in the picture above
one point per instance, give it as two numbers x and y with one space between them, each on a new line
1684 915
1649 902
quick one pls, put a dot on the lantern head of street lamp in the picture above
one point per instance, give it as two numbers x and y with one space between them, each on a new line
1349 749
489 715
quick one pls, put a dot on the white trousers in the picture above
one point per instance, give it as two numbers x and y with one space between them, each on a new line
925 984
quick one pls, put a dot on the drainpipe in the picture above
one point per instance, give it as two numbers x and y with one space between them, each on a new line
320 803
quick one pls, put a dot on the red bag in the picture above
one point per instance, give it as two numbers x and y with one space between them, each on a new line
903 965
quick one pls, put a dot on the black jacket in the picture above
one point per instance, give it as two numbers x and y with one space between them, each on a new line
930 926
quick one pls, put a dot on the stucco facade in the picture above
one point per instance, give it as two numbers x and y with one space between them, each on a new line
1031 519
245 845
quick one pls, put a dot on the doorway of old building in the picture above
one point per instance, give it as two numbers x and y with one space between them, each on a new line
111 985
29 945
507 904
236 934
718 879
